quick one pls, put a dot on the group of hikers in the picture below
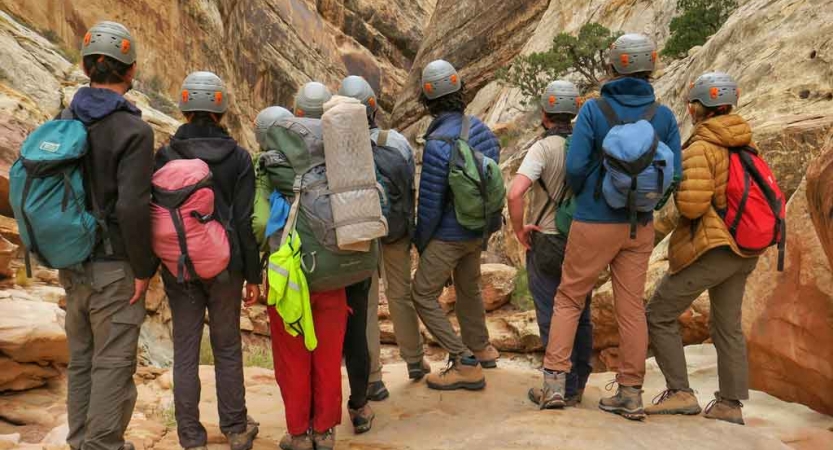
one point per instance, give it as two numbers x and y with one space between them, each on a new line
595 187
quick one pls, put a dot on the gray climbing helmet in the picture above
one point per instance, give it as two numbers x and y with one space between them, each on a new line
440 78
715 89
110 39
309 102
358 88
266 119
203 91
633 53
561 97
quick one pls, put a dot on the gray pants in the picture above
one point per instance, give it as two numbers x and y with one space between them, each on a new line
103 333
189 302
397 275
723 274
437 263
374 333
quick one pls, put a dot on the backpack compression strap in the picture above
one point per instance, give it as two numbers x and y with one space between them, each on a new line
382 140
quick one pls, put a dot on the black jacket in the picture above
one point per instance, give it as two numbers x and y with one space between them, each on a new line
121 167
234 187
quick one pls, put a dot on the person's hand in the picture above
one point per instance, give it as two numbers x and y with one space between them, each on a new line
252 294
139 288
523 235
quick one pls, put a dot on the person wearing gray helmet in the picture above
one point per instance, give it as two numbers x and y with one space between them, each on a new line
601 235
703 256
397 273
543 171
446 248
265 119
203 101
106 294
309 102
263 189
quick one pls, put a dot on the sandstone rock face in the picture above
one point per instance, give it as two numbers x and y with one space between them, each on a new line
497 281
477 36
15 376
32 331
820 196
788 316
7 252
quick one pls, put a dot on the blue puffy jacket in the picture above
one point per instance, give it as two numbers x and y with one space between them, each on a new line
435 214
629 97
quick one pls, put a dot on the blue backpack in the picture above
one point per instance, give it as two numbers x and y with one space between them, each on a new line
637 168
48 195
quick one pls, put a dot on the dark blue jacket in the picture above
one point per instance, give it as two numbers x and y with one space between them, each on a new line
629 97
435 215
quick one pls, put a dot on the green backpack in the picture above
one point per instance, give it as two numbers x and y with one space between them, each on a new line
567 206
477 189
297 171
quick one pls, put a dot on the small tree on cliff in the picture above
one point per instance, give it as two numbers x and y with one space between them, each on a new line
584 55
698 20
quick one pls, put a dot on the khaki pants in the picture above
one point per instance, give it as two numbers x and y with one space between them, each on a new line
397 277
103 334
374 334
436 264
723 274
590 248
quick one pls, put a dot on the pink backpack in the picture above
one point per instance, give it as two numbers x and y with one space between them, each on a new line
187 236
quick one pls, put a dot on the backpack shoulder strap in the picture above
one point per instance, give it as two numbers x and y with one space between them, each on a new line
66 114
611 116
382 140
98 213
466 129
649 113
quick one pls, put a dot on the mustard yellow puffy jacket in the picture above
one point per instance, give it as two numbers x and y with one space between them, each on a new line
703 188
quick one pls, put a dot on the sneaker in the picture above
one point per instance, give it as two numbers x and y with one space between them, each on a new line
300 442
461 373
376 391
674 401
325 440
361 418
244 440
725 410
488 357
416 371
627 403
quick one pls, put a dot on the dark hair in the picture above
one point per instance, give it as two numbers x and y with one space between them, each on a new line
105 70
647 75
205 118
560 117
447 103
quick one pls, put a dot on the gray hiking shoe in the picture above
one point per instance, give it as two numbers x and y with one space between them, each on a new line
627 403
377 392
300 442
725 410
325 440
553 391
416 371
244 440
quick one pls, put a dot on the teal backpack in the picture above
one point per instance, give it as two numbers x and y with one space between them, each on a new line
477 189
47 193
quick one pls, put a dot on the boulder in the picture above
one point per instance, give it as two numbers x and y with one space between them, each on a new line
15 376
820 196
8 252
259 319
788 316
33 332
517 332
497 281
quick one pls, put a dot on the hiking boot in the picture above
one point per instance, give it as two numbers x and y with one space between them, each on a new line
574 400
130 446
418 370
361 418
201 447
725 410
376 391
627 403
488 357
244 440
674 401
461 373
536 393
552 391
325 440
300 442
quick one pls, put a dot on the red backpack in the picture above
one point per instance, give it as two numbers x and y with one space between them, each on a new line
756 207
187 235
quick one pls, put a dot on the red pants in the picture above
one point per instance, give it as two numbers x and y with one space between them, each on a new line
310 382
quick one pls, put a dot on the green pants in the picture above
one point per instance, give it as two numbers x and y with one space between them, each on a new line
723 274
437 263
103 334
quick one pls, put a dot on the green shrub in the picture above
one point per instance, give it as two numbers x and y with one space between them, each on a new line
257 356
521 297
698 20
206 354
584 55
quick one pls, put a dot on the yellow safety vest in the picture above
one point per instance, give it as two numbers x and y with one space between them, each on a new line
289 292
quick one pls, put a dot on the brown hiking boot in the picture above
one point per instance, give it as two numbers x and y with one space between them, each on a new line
244 440
417 371
300 442
461 373
325 440
488 357
627 403
674 401
725 410
574 400
361 418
